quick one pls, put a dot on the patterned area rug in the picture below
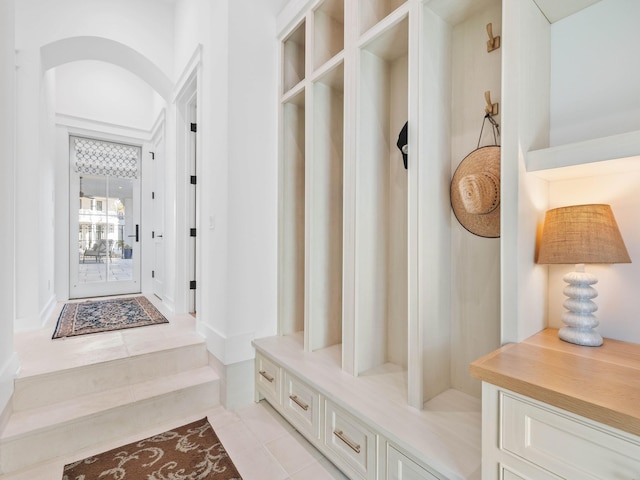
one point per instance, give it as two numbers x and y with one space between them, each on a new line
106 315
190 452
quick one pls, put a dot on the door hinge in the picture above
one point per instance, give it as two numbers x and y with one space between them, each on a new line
193 179
192 232
192 285
153 274
153 195
194 127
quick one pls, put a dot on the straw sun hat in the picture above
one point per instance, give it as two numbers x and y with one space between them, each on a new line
475 192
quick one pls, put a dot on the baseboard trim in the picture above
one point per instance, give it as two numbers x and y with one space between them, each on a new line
7 376
237 387
227 349
35 322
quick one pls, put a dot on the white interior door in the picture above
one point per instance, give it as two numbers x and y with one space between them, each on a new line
158 202
104 236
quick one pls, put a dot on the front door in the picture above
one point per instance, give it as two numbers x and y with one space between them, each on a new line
105 236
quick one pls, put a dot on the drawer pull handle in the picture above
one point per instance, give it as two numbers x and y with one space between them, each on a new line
351 444
267 376
299 402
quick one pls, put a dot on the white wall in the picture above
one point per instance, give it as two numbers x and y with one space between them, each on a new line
104 92
8 360
595 75
145 26
238 169
595 92
253 168
617 284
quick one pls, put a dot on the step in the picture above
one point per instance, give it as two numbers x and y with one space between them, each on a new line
38 390
45 432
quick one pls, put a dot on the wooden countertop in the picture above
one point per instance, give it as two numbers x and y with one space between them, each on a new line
600 383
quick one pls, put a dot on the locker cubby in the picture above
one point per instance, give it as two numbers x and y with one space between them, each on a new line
372 12
292 214
381 201
328 39
293 58
325 213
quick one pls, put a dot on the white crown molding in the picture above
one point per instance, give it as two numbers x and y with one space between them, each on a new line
81 124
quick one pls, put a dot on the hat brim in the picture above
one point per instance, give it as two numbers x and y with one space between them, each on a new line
480 160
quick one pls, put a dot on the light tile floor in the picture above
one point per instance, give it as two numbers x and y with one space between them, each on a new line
261 443
114 269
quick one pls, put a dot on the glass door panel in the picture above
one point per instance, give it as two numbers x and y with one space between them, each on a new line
104 234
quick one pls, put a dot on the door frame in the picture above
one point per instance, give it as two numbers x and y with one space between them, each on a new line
104 288
188 202
67 126
157 206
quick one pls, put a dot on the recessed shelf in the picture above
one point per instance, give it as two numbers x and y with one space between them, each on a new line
374 11
295 95
293 58
382 193
457 12
328 21
292 212
599 156
324 220
389 40
331 74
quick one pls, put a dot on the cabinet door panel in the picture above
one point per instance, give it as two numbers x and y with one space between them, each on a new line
301 404
268 379
400 467
565 444
350 440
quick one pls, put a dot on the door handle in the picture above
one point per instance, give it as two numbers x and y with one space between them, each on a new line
159 236
137 235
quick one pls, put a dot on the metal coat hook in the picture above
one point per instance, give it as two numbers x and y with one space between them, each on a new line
491 108
494 42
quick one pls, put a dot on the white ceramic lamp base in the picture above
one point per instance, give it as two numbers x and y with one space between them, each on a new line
579 320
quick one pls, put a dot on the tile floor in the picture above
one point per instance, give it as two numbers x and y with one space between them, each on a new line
261 443
112 268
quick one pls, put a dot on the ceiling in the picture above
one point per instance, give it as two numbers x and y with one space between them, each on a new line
556 10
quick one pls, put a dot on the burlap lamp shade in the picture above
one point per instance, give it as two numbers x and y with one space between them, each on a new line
581 234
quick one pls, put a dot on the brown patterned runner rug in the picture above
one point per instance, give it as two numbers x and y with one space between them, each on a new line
190 452
95 316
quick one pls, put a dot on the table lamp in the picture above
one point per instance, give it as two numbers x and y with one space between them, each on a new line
581 234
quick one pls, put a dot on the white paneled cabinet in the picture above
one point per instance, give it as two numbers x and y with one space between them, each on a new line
340 423
268 379
401 467
539 441
365 244
301 405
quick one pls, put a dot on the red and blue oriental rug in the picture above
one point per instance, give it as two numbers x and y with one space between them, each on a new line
95 316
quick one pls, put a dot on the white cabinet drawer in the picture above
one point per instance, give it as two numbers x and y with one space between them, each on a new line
350 440
401 467
567 445
301 405
268 379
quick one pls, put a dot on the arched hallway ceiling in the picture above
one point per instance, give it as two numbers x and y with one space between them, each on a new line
99 48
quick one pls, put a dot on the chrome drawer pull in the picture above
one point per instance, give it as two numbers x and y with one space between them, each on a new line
266 375
299 402
352 445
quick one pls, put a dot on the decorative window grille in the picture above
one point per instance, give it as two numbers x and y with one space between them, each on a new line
105 158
